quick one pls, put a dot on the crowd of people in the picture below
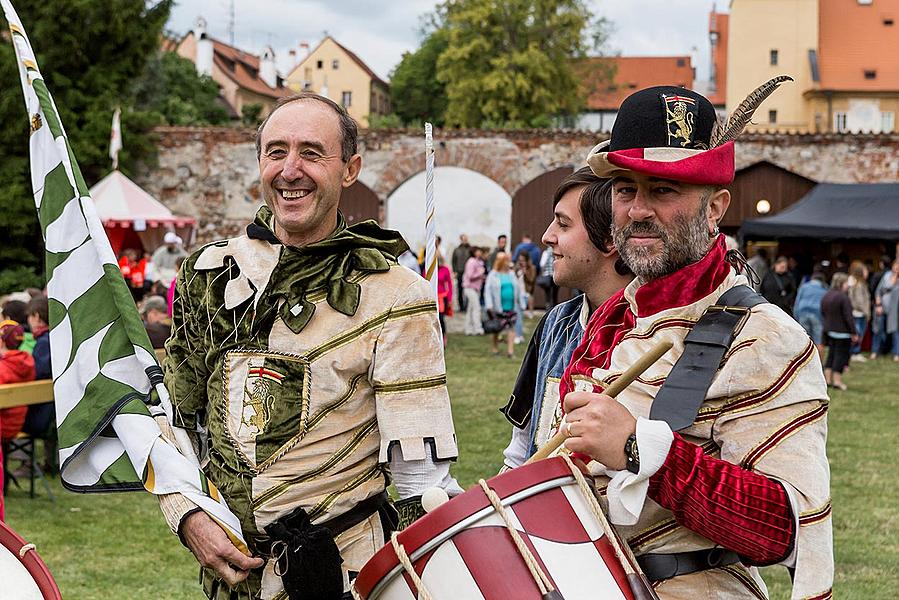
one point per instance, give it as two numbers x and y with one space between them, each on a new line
24 357
493 287
711 463
25 345
846 306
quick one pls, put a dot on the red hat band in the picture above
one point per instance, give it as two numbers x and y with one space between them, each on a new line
700 167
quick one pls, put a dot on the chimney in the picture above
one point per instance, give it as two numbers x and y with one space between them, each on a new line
204 48
304 50
267 70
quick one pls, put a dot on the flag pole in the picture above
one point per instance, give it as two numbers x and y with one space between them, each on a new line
430 224
115 138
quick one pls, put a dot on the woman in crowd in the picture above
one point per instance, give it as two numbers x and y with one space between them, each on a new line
444 293
886 306
472 282
839 329
526 274
861 303
502 299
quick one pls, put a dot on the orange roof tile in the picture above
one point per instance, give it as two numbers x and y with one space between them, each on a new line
631 73
718 22
245 71
854 38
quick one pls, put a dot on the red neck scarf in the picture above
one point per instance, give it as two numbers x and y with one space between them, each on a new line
615 318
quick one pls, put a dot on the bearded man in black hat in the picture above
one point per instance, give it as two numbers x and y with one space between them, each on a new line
714 459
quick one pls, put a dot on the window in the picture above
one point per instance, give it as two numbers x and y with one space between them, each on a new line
319 64
870 74
772 116
888 22
865 2
839 122
346 99
773 58
887 121
335 64
681 62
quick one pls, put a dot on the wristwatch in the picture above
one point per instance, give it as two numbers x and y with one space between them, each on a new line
632 453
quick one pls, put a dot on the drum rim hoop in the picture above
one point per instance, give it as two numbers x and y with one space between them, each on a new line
383 567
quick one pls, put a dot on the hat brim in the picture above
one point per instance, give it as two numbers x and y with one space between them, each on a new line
701 167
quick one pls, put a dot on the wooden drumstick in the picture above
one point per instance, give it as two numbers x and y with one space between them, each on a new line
615 388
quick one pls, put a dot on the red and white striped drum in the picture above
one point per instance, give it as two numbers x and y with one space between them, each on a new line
463 551
23 575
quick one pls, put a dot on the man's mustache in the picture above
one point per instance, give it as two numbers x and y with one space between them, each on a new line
644 227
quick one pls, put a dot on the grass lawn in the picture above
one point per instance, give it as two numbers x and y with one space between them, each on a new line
118 546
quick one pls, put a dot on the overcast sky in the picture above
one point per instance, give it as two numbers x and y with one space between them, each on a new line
379 32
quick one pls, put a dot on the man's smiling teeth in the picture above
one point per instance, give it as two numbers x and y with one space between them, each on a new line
290 194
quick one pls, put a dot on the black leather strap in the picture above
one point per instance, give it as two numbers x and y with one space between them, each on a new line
684 390
657 567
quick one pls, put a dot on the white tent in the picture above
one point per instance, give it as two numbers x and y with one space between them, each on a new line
131 215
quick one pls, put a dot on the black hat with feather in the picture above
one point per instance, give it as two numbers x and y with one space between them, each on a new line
673 133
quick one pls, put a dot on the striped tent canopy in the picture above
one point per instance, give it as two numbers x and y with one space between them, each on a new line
129 213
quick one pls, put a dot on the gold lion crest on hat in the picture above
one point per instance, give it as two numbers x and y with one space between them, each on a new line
680 116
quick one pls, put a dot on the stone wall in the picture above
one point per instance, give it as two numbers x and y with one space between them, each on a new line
212 174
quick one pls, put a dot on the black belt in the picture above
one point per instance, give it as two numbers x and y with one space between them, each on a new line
338 524
665 566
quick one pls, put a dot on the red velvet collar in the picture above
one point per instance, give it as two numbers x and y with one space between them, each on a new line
615 318
685 286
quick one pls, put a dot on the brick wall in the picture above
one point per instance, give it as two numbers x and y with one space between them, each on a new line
211 173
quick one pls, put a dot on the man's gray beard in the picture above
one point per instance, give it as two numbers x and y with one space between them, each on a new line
686 243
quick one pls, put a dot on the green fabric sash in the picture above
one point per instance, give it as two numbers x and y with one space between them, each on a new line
326 265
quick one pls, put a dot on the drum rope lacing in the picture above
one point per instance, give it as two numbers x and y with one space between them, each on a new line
24 549
540 578
408 567
625 557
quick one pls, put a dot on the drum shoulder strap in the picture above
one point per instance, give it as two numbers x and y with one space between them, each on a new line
685 388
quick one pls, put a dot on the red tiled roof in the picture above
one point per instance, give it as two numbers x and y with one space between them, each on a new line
854 38
631 73
245 71
718 22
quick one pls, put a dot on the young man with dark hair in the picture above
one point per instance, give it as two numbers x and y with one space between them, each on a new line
714 460
581 241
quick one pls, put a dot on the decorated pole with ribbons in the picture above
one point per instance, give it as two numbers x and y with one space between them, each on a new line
107 384
430 223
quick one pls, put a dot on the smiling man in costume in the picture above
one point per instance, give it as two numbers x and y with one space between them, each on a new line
713 461
311 363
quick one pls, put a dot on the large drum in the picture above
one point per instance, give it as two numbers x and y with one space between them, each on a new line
23 575
463 550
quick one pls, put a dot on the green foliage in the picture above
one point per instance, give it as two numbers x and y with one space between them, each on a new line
90 53
171 87
249 114
509 62
416 93
391 121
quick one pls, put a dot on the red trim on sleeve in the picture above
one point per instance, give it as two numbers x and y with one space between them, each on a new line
738 509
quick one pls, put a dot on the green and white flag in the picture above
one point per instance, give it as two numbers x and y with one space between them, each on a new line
107 383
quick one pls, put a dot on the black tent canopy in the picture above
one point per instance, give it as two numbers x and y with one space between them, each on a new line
835 211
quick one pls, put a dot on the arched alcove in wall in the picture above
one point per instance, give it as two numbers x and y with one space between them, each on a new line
465 202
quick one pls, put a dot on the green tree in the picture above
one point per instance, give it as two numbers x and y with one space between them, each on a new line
416 93
250 114
509 63
171 87
90 52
